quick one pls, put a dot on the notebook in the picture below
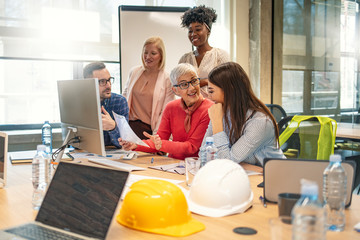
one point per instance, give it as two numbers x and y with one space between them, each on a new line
22 156
283 176
81 201
27 156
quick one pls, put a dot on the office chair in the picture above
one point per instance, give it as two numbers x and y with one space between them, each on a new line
308 137
277 111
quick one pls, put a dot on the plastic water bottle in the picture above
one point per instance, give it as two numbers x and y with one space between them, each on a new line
46 136
202 155
308 214
41 172
208 152
211 150
334 194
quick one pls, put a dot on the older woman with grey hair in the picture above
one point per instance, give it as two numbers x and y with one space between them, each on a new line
186 119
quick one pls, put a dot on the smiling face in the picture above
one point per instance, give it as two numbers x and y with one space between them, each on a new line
198 34
190 95
216 94
151 56
105 91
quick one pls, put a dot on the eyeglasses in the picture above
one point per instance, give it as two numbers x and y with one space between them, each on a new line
103 82
185 85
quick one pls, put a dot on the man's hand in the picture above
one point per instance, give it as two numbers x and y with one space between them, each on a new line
216 116
155 139
107 122
127 146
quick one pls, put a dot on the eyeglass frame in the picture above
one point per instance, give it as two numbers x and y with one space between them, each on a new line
188 83
103 82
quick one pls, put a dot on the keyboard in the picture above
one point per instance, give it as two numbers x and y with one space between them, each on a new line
36 232
115 164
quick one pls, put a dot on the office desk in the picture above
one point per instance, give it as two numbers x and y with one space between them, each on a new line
348 131
15 208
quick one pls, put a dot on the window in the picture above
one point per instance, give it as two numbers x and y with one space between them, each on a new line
319 62
45 41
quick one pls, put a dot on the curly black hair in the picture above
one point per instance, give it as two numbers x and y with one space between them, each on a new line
199 14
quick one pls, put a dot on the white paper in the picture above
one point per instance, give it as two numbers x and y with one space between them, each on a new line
115 164
178 168
125 130
251 173
120 154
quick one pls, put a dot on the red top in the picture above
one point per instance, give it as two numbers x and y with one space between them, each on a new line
183 144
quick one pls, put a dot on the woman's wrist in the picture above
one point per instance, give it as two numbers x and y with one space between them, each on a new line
217 126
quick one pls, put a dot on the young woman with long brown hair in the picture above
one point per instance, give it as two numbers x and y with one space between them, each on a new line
242 126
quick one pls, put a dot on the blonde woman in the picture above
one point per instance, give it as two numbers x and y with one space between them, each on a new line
148 89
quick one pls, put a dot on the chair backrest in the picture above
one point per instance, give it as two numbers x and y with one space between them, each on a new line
276 170
283 123
277 111
309 137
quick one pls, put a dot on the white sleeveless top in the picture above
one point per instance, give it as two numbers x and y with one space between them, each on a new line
212 58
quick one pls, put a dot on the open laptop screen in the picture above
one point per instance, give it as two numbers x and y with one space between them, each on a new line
82 199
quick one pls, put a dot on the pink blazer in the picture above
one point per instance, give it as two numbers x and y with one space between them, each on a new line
162 93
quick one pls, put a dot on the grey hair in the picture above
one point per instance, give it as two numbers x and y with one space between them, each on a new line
181 69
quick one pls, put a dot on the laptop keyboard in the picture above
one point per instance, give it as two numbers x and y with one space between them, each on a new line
36 232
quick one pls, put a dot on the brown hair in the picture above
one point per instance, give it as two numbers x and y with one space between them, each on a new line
91 67
238 98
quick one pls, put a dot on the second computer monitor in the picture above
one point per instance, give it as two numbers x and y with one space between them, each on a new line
80 109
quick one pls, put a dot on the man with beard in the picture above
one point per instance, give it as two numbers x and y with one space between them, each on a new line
109 102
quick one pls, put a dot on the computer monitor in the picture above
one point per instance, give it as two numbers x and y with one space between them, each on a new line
3 158
80 114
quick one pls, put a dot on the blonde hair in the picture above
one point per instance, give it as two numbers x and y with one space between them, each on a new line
161 47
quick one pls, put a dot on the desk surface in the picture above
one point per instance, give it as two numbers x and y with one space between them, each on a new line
15 208
348 131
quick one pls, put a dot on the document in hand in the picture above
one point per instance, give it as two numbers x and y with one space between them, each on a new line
126 132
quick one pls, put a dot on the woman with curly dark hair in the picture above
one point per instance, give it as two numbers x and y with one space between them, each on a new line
198 21
243 128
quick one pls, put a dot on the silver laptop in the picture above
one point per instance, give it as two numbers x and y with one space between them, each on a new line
283 176
3 158
79 204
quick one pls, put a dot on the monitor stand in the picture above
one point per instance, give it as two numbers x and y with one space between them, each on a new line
65 143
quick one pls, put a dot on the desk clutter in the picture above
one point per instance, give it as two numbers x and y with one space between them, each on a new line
208 196
80 199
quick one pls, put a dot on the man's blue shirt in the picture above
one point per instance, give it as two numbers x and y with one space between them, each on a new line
119 105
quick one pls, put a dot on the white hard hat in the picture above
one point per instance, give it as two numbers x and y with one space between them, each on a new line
220 188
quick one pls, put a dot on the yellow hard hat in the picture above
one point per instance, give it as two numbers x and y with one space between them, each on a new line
157 206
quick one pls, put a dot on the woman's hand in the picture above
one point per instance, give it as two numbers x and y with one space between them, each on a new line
204 82
216 115
127 146
155 139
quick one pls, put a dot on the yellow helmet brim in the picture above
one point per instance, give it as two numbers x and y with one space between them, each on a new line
188 228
